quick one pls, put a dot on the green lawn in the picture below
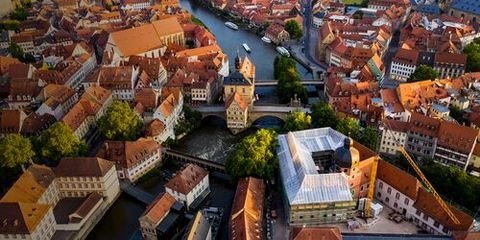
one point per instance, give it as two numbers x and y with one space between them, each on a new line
354 2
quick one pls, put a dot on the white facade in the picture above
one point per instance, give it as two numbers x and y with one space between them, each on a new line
171 120
394 199
142 167
391 141
401 71
57 111
108 186
136 6
429 224
198 190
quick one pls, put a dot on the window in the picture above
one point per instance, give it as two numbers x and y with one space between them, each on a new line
418 212
436 224
389 190
395 205
397 196
406 201
379 194
380 185
444 229
387 199
425 217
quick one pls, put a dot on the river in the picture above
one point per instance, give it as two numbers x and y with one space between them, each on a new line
212 140
230 41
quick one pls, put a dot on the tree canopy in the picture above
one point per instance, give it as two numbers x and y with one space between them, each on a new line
297 120
254 156
58 141
368 137
294 29
20 14
323 115
349 126
10 24
289 81
472 50
423 72
15 150
120 122
192 119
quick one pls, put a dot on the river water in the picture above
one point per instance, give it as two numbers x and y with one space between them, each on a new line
211 141
262 54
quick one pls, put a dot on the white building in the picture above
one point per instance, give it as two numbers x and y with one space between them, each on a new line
78 177
189 185
56 100
403 64
170 110
394 137
156 130
133 159
135 4
396 188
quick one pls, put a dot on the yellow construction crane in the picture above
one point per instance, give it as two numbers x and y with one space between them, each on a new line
419 172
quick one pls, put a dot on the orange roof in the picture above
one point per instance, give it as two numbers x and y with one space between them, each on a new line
21 218
154 128
89 167
5 63
420 123
11 121
146 37
238 101
406 56
457 137
159 208
31 185
247 210
315 233
186 179
127 154
398 179
214 48
427 203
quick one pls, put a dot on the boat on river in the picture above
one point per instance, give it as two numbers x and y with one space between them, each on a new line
283 51
231 25
266 39
245 46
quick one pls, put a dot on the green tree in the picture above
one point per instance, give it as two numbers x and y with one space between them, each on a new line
16 151
192 120
16 51
108 6
254 156
58 141
297 120
423 72
472 50
294 29
19 14
289 81
323 115
457 114
10 25
349 126
368 137
120 123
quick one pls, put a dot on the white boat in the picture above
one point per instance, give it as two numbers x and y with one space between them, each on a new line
283 51
266 39
231 25
246 47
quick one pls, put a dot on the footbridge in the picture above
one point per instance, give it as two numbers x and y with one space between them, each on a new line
183 157
266 83
136 192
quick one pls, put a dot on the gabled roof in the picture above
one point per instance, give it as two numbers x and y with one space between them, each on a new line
247 210
159 208
21 218
237 78
457 137
127 154
236 98
31 185
398 179
154 128
315 233
427 203
187 179
83 167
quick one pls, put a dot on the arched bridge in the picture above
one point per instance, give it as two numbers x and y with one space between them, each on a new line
265 83
256 112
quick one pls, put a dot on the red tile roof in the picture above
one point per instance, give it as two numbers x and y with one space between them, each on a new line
83 167
159 208
186 179
127 154
427 203
398 179
315 233
457 137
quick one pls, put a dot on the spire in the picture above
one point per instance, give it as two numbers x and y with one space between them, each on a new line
237 60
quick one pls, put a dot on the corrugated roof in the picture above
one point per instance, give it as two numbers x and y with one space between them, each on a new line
302 182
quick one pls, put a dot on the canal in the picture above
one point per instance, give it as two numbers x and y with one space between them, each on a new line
211 141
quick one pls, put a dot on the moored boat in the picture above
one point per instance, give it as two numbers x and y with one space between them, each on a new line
266 39
245 46
283 51
231 25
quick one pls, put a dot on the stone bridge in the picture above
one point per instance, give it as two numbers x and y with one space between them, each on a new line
305 82
256 112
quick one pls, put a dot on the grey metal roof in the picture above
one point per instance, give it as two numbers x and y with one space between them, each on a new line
236 78
301 180
470 6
